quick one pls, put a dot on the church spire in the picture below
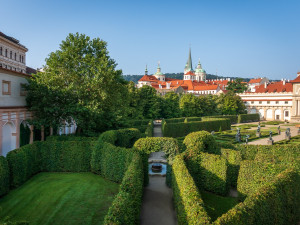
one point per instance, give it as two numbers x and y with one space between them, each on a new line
189 62
146 70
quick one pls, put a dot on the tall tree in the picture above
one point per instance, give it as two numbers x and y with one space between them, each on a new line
237 86
80 81
231 104
149 102
170 106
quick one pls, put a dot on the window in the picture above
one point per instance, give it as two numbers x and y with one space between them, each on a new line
6 87
5 52
20 58
23 91
16 56
277 102
11 54
286 102
268 102
286 113
260 102
0 50
252 102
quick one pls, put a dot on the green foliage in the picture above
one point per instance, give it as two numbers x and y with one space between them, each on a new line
149 102
170 106
149 129
230 104
79 82
237 86
182 129
200 141
24 134
253 175
4 176
187 199
244 118
209 172
122 137
234 159
126 206
155 144
233 118
192 119
23 163
273 203
110 161
66 156
70 137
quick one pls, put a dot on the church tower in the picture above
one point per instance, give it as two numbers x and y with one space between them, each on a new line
159 75
188 70
200 73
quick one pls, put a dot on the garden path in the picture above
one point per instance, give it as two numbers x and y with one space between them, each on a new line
157 205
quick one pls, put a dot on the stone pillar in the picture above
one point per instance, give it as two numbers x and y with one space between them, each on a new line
296 108
42 133
273 113
282 114
31 134
265 113
18 130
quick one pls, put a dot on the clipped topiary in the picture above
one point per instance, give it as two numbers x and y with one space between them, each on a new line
201 141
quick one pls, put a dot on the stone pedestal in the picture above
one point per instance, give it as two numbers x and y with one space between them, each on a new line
279 132
270 142
287 137
258 134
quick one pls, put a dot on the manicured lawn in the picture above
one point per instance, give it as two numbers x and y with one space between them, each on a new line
217 205
60 198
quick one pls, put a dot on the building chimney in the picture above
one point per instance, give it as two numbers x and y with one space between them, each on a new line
159 86
283 81
168 85
265 84
298 74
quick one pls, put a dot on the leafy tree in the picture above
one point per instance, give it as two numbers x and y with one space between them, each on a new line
237 86
231 104
170 106
149 102
189 105
79 82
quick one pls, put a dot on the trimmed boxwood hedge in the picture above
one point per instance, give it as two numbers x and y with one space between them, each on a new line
110 161
234 159
126 206
209 172
253 175
201 141
187 199
182 129
122 137
274 203
155 144
192 119
70 138
244 118
66 156
233 118
4 176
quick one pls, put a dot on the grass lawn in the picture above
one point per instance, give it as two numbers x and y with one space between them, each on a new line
217 205
60 198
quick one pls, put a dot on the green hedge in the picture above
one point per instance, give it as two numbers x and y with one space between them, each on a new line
149 129
110 161
187 199
70 138
201 141
66 156
155 144
209 172
192 119
122 137
233 118
182 129
234 159
274 203
244 118
175 120
253 175
23 163
126 206
4 176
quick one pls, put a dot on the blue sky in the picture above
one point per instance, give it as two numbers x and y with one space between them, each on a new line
235 38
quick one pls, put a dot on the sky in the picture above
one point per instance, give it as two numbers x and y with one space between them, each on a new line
245 38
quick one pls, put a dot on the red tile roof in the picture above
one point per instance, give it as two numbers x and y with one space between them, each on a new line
253 81
297 80
150 78
190 73
206 87
275 87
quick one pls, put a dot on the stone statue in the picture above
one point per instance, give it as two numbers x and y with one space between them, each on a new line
238 135
247 137
270 137
212 133
258 128
279 131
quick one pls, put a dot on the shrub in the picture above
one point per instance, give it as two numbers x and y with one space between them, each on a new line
182 129
66 156
274 203
233 118
149 129
175 120
110 161
209 172
126 206
187 199
234 159
23 163
4 176
253 175
192 119
244 118
122 137
200 141
70 138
